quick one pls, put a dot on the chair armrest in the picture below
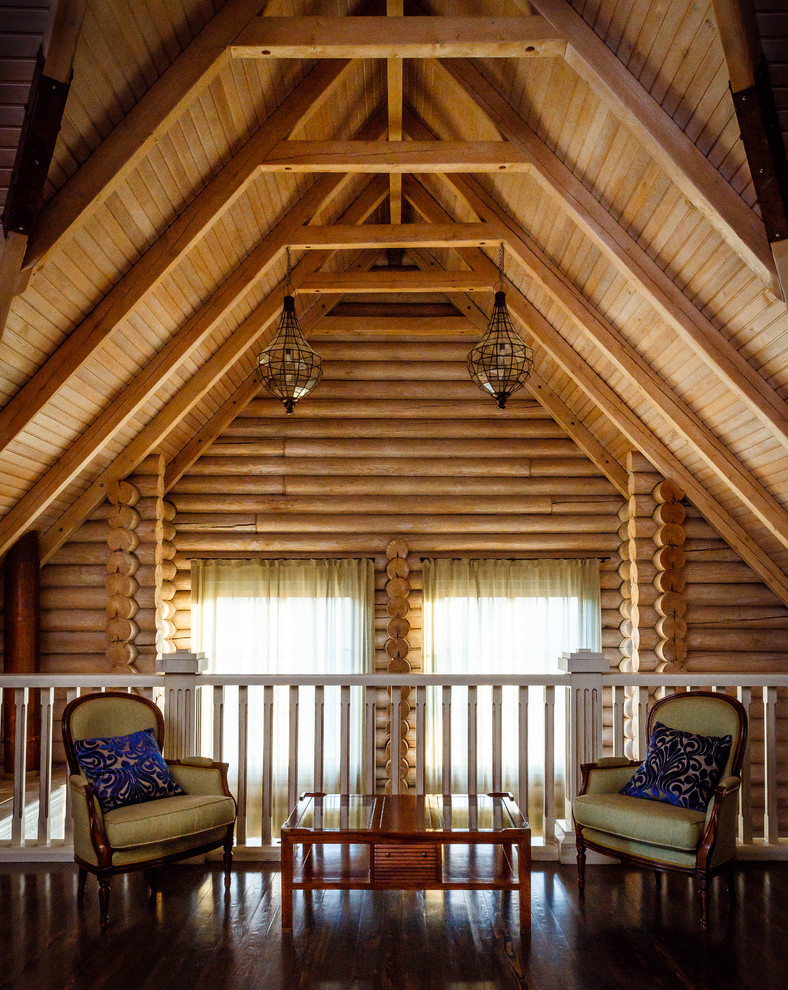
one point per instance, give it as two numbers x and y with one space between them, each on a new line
607 776
719 839
727 786
90 838
199 775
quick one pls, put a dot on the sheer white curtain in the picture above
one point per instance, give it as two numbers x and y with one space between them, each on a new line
502 617
286 617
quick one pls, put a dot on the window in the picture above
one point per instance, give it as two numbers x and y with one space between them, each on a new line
286 617
502 617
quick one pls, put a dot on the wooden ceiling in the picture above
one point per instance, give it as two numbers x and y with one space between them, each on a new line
598 141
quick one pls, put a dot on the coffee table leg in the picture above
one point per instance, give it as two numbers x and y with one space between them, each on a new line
524 878
287 882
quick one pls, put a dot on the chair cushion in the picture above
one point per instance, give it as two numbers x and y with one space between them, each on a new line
124 770
680 768
641 821
167 819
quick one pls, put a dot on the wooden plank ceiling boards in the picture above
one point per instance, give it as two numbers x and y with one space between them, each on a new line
598 141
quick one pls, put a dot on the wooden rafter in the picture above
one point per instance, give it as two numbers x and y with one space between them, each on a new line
247 335
659 134
165 253
627 255
140 129
406 37
156 372
627 422
376 235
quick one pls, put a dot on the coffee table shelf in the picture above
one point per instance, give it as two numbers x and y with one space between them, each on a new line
406 842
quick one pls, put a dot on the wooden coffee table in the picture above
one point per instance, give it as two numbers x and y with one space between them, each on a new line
405 842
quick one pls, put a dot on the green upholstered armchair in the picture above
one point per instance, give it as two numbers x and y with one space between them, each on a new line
143 835
659 835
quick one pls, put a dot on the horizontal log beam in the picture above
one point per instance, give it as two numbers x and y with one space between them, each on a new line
395 156
398 38
395 281
289 426
472 405
378 235
349 484
394 328
445 467
409 447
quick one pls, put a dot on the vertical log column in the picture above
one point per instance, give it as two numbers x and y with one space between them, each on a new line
639 648
669 581
156 546
21 642
122 567
397 648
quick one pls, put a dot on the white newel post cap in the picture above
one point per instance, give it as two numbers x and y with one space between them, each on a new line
181 662
584 662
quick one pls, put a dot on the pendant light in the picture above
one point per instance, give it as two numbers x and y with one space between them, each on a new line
501 362
288 367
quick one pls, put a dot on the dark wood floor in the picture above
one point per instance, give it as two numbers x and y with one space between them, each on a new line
629 931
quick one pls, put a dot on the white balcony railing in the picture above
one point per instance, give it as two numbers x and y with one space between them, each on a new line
532 732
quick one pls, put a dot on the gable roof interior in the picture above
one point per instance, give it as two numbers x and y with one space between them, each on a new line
154 276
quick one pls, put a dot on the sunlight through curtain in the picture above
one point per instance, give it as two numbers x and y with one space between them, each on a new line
502 617
286 617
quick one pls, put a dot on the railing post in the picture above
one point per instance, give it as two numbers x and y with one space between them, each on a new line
181 714
584 721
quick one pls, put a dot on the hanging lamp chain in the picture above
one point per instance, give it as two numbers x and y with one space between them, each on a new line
287 276
501 278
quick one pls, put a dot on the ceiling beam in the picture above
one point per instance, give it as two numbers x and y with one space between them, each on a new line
134 136
662 138
393 280
636 369
393 328
396 156
244 337
638 434
188 228
406 37
395 99
155 373
380 235
626 254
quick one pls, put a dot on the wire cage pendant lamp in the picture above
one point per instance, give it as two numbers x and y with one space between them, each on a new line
501 362
288 367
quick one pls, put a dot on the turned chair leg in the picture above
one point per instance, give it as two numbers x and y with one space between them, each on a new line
703 890
104 883
730 879
581 860
228 860
82 879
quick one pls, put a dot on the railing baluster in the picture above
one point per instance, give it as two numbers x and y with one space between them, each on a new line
320 731
268 763
497 731
549 765
396 739
618 720
68 827
642 720
770 823
243 745
20 766
370 708
745 794
344 739
292 769
446 740
421 738
472 739
47 696
218 702
522 750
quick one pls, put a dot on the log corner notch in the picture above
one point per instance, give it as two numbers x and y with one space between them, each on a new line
758 118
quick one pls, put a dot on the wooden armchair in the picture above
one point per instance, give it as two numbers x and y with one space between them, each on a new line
700 841
197 815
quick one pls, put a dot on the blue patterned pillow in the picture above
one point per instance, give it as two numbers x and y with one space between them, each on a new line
125 770
680 768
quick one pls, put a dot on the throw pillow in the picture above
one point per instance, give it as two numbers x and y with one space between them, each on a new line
680 768
125 770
